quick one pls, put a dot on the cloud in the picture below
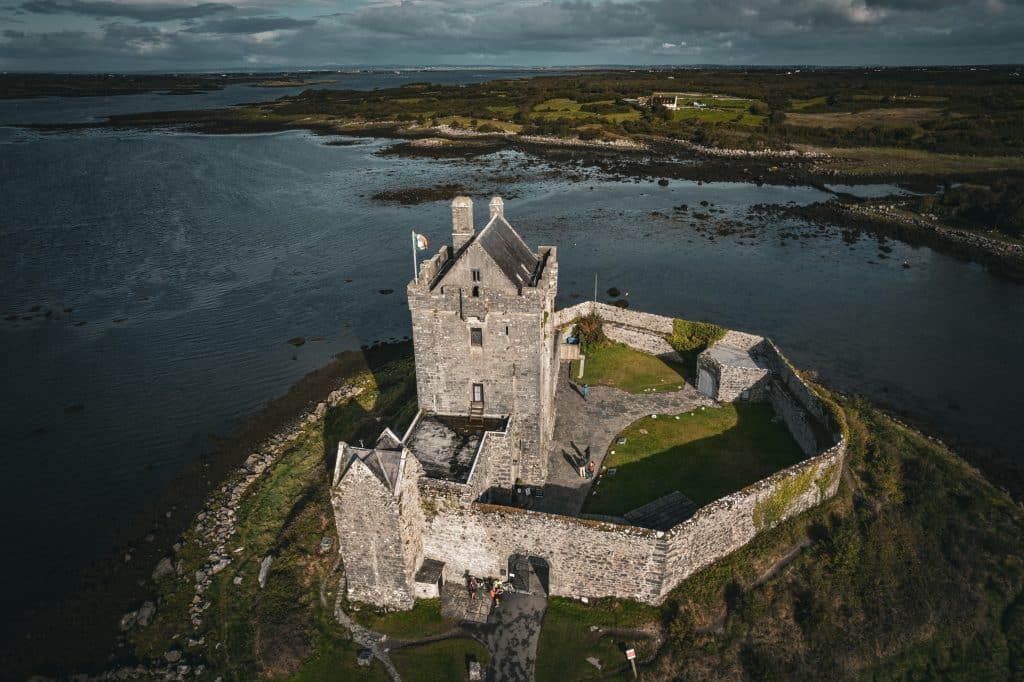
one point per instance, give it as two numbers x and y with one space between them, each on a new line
249 25
150 12
312 33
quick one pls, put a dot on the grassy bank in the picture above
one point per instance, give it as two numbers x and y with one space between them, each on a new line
284 628
914 571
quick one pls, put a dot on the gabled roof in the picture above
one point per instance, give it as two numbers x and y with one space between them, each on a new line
383 464
508 250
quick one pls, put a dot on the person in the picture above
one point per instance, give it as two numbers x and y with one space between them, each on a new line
590 469
583 470
472 587
586 391
495 597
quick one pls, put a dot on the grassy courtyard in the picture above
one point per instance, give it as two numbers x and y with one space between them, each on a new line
618 365
704 454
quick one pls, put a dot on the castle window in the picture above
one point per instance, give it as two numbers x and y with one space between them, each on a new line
476 292
476 274
476 336
506 330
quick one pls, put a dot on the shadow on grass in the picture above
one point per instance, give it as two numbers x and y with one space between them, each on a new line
702 468
388 402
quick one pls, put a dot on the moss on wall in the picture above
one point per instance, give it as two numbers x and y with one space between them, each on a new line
825 480
772 509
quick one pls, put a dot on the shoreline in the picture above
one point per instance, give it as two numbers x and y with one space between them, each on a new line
85 617
652 159
238 461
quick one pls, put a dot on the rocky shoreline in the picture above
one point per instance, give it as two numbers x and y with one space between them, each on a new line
91 623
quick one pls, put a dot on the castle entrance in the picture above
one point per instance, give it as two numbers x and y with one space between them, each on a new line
529 573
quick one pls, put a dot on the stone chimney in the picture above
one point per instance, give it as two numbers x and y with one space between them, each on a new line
462 221
497 207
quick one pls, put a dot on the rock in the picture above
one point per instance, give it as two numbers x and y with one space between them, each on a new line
237 580
164 568
265 570
321 410
596 662
146 613
172 656
129 620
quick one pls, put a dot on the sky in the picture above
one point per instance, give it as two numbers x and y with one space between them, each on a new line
172 35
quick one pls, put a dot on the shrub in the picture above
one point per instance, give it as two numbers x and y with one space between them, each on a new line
590 330
693 337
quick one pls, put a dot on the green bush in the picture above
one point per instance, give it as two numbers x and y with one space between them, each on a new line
690 338
590 330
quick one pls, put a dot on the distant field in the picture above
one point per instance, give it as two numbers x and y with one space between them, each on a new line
895 117
718 116
879 160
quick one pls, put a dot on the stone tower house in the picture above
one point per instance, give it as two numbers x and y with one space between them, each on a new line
379 520
483 332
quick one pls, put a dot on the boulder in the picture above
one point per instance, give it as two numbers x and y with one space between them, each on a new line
164 568
129 620
172 656
265 570
146 613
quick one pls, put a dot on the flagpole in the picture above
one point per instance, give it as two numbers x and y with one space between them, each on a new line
415 265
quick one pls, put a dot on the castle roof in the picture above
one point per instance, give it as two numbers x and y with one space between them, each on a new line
385 465
504 245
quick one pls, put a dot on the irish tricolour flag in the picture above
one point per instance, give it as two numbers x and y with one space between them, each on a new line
419 241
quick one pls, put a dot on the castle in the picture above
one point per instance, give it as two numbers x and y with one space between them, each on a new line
446 497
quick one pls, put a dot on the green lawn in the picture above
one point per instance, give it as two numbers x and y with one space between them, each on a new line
566 639
616 364
704 454
422 620
444 660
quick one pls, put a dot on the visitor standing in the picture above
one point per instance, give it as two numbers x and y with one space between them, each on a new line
586 391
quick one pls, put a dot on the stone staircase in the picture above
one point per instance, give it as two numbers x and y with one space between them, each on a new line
663 513
476 413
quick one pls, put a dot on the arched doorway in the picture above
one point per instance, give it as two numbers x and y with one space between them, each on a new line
529 573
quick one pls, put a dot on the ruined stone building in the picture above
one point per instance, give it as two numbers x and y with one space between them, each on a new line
432 503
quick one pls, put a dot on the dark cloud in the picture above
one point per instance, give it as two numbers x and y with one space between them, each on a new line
249 25
496 32
153 12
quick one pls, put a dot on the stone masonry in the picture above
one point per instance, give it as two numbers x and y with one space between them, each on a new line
488 342
482 331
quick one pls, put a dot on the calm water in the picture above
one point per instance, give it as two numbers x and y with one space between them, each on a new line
193 259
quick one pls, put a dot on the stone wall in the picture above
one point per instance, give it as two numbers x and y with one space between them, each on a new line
643 341
586 558
380 532
657 324
725 525
795 417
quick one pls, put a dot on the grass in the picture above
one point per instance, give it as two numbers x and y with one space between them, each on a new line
716 115
689 339
920 578
891 117
704 454
422 620
892 160
618 365
566 639
281 630
444 660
